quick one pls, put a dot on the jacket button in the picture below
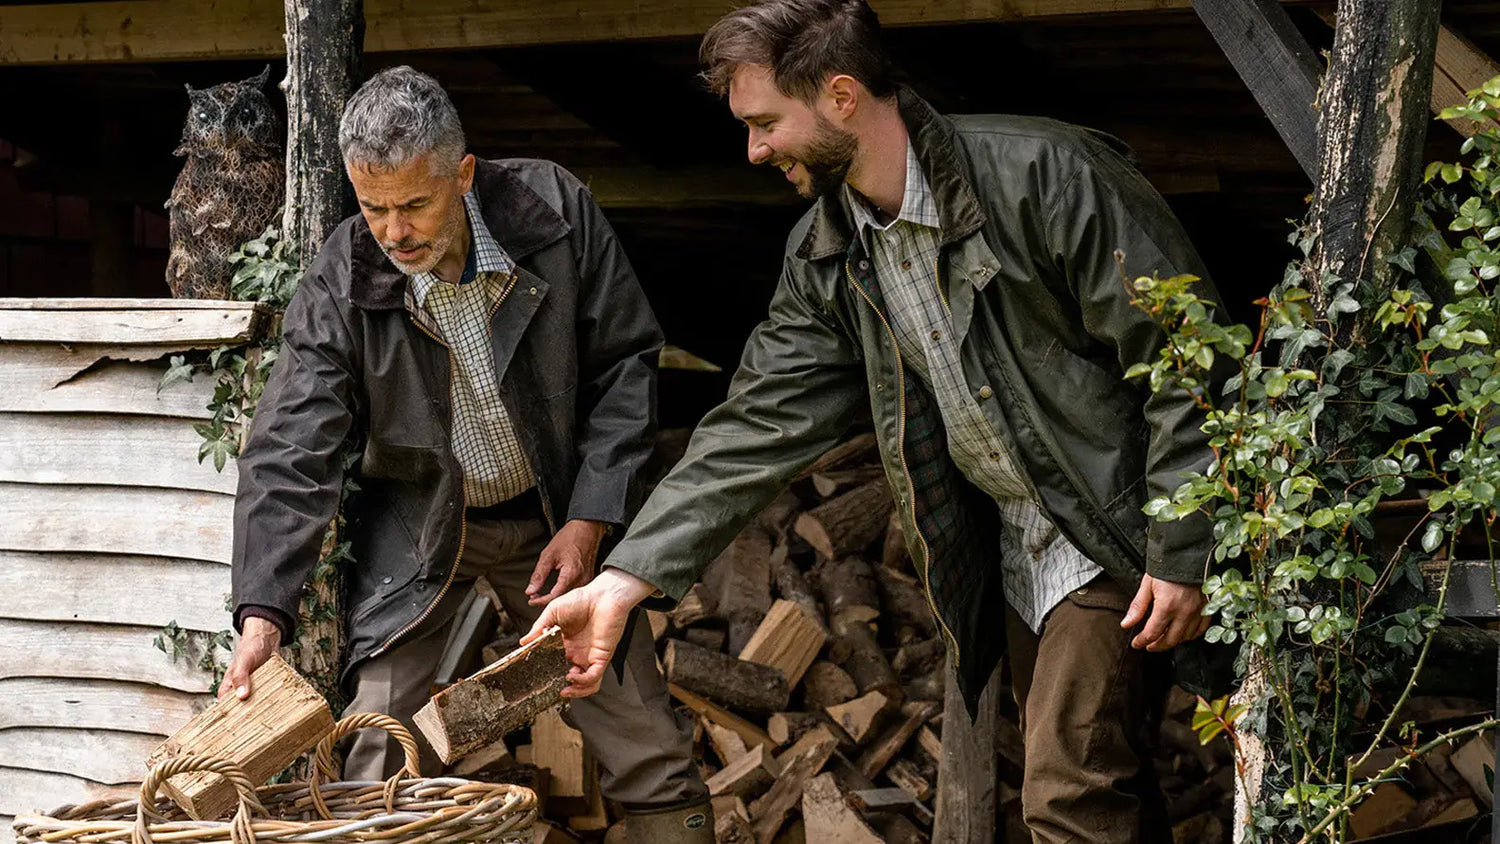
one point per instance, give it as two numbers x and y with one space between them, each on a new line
985 392
386 579
532 291
879 387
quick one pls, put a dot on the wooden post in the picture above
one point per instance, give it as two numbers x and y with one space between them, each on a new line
965 802
1371 131
324 39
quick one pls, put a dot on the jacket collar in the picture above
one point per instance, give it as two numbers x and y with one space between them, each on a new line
520 221
936 144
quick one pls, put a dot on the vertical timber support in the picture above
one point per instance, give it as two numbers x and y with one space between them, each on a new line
324 39
966 781
1371 130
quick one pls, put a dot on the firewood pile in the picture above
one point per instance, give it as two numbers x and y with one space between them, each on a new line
810 663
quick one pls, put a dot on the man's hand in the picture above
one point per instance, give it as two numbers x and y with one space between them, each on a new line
1176 614
592 619
571 553
259 639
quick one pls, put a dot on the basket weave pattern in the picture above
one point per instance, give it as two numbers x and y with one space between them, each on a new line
405 808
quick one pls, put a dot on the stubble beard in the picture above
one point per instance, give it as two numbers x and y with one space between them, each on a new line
439 246
827 160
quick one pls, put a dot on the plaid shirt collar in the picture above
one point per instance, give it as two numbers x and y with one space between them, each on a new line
918 205
491 263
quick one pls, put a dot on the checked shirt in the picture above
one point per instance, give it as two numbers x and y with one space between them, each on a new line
1040 566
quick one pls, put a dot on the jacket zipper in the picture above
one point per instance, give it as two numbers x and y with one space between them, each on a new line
906 472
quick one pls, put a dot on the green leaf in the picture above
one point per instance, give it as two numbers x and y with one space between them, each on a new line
1432 537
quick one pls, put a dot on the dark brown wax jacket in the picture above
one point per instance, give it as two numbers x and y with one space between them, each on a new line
1032 213
575 345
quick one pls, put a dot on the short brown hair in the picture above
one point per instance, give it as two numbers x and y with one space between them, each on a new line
803 42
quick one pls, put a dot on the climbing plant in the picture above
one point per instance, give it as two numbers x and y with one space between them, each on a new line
1319 444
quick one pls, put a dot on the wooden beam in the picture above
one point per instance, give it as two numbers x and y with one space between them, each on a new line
1277 65
177 30
965 803
1461 67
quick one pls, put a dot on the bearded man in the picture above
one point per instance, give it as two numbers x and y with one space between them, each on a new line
959 277
480 335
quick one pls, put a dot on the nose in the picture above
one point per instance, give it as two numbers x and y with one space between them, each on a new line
397 228
758 150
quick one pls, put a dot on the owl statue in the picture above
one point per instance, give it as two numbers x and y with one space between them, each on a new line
231 185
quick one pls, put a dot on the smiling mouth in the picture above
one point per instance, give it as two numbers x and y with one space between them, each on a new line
409 253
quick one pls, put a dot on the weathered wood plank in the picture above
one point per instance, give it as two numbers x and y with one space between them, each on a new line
40 378
30 792
226 326
965 802
145 591
110 757
116 520
1277 65
159 30
92 651
75 448
1460 68
96 704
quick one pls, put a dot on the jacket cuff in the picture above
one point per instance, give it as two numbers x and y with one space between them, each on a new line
285 623
601 496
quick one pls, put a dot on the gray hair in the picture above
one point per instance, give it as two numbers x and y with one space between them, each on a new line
397 116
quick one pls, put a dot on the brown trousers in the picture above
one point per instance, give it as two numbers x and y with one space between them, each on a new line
643 747
1090 712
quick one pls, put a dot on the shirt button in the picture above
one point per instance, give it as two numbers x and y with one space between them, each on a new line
994 455
386 579
906 265
985 392
864 266
937 335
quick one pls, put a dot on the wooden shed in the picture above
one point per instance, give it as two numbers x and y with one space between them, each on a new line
110 530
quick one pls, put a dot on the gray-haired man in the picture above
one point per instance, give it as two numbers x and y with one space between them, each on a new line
479 332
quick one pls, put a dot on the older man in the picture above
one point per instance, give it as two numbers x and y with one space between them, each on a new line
478 331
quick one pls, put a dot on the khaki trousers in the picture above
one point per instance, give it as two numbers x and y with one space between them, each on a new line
643 747
1090 713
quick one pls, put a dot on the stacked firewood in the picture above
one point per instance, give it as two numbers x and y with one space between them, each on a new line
810 663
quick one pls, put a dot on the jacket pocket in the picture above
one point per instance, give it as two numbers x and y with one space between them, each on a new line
399 462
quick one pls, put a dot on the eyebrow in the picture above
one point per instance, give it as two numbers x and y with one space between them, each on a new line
413 201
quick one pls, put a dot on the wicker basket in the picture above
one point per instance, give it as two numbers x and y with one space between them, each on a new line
405 808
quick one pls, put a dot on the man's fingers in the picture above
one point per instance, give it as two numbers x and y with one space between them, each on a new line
584 683
539 574
543 621
1172 637
1156 627
1138 606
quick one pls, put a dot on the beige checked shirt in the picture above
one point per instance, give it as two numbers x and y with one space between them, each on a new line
484 438
1040 566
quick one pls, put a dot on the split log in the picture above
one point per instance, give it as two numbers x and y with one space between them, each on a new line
831 483
283 717
660 624
903 598
497 755
786 727
829 816
866 662
792 585
732 828
799 764
573 786
880 753
706 638
909 778
776 518
751 734
965 806
745 685
786 640
826 684
696 605
727 744
740 581
479 710
746 777
849 590
860 716
849 523
851 452
893 552
918 657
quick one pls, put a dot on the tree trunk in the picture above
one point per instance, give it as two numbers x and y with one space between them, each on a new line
1372 126
324 39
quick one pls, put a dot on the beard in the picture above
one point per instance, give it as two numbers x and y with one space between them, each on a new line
827 159
438 246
